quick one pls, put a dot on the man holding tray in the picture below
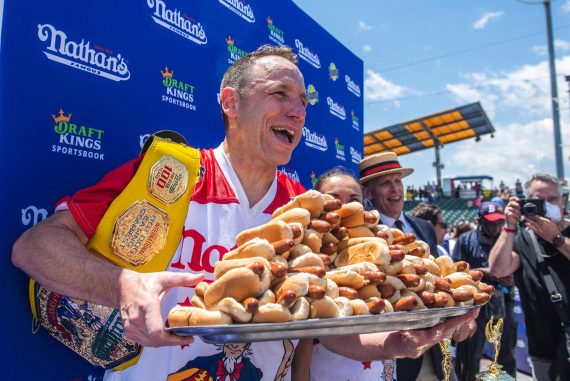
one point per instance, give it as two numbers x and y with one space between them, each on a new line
263 102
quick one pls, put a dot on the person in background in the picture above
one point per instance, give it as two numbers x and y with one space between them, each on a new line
474 248
537 250
462 227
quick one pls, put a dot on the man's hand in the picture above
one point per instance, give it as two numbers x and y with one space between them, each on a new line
512 213
415 342
140 295
465 331
544 227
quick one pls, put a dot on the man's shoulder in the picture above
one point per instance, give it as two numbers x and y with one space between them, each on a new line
287 188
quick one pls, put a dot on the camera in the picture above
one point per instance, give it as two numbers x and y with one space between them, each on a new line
532 207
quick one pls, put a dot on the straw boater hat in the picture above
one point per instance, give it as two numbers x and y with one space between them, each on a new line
380 164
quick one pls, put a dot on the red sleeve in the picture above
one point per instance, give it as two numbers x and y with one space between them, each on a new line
90 204
286 190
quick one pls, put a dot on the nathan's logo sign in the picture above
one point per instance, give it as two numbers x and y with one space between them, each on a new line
306 54
235 52
356 156
240 8
177 22
339 150
275 34
312 94
314 140
32 215
177 92
352 86
76 139
355 121
333 71
82 55
336 109
291 173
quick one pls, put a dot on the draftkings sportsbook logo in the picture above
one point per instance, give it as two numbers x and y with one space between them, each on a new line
355 121
76 139
306 54
315 140
352 86
177 92
336 109
312 95
355 155
177 22
275 34
82 55
333 71
339 150
239 8
291 173
235 52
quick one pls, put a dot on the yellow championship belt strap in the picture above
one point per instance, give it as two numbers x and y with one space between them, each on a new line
142 227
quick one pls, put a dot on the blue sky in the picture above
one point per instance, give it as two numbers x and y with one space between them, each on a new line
422 57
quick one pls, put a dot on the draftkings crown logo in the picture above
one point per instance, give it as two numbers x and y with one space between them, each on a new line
177 22
275 34
312 95
355 121
83 55
307 55
76 139
177 92
333 71
235 52
239 8
339 150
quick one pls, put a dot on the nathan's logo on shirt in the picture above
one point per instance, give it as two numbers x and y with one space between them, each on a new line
177 22
82 55
291 173
355 155
235 52
336 109
312 94
314 140
306 54
275 34
352 86
333 71
76 139
32 215
177 92
339 150
240 8
355 121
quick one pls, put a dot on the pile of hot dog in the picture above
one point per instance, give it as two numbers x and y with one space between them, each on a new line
317 258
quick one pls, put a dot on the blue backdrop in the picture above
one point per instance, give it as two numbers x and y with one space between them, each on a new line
83 83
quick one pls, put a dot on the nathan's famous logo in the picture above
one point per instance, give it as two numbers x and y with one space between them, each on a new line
239 8
355 121
235 52
336 109
352 86
333 71
355 155
275 34
33 215
339 150
291 173
177 92
312 94
76 139
82 55
307 55
315 140
177 22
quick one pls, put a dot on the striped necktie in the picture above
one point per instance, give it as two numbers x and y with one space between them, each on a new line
399 225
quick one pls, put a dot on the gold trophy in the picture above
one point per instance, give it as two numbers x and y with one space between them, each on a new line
493 334
445 346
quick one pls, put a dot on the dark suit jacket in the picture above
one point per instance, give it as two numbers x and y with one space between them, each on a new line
409 369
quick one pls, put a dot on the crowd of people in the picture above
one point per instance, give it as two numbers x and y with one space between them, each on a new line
263 103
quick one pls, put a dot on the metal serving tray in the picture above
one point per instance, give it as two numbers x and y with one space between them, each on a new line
351 325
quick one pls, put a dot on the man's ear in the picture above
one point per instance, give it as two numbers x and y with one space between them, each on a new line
229 100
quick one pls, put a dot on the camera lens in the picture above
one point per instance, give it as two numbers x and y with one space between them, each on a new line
529 209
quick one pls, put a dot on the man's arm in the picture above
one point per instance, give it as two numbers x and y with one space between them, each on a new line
548 230
395 344
53 253
503 261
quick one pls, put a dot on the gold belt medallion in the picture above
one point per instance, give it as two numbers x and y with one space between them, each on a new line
140 233
168 179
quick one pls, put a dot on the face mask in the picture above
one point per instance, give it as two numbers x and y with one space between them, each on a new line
553 212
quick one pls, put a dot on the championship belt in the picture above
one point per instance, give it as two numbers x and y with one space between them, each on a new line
140 231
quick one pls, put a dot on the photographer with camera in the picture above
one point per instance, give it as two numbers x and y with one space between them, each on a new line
534 246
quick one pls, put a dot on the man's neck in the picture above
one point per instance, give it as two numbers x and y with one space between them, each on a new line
255 177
